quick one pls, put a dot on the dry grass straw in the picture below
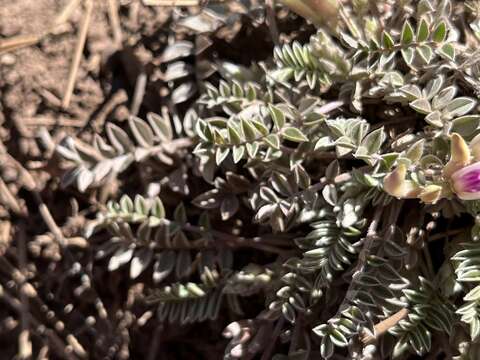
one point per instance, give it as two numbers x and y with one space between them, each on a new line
82 37
17 42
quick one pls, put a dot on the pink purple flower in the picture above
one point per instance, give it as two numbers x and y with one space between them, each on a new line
466 182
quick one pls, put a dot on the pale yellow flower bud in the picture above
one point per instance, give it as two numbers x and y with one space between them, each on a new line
431 194
459 155
319 12
396 185
475 147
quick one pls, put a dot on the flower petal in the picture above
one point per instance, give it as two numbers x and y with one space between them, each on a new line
466 182
396 185
431 194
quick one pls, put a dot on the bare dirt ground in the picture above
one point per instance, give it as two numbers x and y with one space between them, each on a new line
62 303
33 81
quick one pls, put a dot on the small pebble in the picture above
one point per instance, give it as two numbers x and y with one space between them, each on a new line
8 59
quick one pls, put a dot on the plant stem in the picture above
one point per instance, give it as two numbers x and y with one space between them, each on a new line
428 262
362 258
236 241
445 234
267 354
272 23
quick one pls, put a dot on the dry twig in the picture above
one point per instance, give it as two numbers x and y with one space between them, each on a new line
24 343
383 326
82 36
115 22
18 42
139 93
272 23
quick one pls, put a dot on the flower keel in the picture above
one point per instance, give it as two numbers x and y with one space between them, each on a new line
466 182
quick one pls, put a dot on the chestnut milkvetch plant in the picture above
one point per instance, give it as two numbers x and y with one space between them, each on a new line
336 183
